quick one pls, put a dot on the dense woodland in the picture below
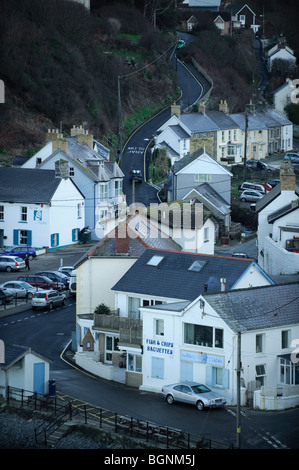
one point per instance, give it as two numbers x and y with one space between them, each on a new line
60 65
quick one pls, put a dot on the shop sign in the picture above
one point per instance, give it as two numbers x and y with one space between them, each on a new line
158 346
204 358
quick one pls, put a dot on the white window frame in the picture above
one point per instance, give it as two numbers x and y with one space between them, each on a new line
260 343
24 214
134 363
159 326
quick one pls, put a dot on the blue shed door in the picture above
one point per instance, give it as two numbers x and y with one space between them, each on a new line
39 377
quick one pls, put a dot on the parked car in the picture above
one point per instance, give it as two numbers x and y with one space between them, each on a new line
42 282
67 270
268 186
136 175
250 195
11 263
19 289
293 157
48 298
274 183
6 297
55 276
240 255
260 166
255 186
196 394
21 251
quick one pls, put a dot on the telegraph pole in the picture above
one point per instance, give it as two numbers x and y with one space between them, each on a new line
245 143
239 368
119 121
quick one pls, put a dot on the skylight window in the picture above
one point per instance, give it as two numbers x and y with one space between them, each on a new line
155 260
197 266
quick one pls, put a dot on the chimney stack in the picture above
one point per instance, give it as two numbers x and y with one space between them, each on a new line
287 177
175 109
122 239
223 106
83 135
202 107
58 141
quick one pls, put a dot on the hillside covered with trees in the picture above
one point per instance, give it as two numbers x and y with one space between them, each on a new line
61 65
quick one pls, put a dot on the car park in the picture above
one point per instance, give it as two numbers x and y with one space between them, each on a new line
48 299
249 195
292 157
255 186
42 282
19 289
6 297
55 276
136 175
21 251
193 393
11 263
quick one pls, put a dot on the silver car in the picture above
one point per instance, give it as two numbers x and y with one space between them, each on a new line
19 289
251 195
11 263
48 298
194 394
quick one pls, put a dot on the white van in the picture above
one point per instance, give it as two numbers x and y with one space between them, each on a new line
73 283
255 186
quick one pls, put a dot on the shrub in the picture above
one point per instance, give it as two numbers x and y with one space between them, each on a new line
102 309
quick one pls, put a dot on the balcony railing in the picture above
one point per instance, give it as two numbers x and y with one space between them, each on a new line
129 329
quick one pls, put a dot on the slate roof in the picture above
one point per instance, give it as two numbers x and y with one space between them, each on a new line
179 131
222 120
143 235
27 185
286 209
212 200
172 278
198 122
258 307
13 353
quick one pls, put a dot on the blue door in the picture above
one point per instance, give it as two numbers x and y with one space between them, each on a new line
186 371
39 377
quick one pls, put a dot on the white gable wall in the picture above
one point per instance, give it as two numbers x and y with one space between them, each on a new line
42 154
265 229
96 277
64 216
252 278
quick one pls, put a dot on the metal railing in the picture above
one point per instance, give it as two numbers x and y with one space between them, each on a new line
56 412
15 302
